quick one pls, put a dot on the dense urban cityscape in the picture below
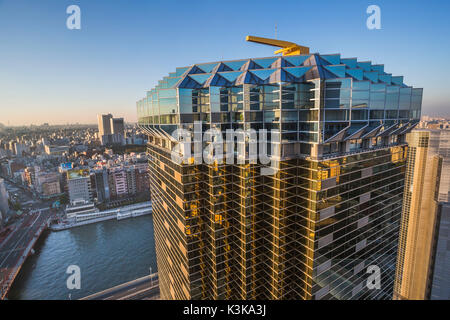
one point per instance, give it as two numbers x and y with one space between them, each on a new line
71 175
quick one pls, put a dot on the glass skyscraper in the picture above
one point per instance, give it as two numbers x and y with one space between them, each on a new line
424 253
331 209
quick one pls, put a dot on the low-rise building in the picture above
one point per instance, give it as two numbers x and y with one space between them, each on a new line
56 150
79 186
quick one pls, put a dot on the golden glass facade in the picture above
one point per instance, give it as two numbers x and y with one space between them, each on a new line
226 232
422 264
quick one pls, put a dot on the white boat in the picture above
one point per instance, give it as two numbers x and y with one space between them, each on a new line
125 215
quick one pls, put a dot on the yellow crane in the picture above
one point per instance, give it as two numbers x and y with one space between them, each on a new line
287 48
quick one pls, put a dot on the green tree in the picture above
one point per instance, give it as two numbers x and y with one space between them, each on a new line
16 206
64 199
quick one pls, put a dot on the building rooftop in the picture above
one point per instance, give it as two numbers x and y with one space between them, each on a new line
333 99
77 174
277 69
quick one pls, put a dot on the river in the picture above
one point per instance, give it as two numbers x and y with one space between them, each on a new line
108 253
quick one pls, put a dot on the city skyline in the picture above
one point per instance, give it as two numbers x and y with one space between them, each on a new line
225 154
122 49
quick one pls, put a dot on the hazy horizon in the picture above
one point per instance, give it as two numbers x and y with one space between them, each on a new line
59 124
55 75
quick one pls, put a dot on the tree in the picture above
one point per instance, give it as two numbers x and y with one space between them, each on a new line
16 206
64 199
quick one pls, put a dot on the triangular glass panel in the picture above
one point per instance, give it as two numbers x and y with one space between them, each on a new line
350 62
263 74
265 62
217 81
231 76
221 67
249 78
325 73
356 73
180 71
250 65
235 65
187 82
296 60
372 76
387 78
283 76
195 70
338 70
365 65
397 80
297 71
332 58
378 67
207 67
200 78
172 81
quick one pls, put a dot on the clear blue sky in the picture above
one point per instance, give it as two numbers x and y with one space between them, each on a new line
49 73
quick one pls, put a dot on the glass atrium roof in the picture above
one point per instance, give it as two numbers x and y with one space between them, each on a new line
278 69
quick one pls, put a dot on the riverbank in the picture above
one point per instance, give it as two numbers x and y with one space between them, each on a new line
108 254
125 212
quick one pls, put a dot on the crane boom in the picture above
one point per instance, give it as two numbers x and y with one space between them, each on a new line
287 48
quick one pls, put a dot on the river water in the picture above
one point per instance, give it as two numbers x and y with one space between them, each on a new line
108 253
